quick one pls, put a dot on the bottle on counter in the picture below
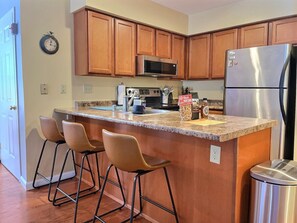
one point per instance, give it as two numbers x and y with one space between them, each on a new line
204 108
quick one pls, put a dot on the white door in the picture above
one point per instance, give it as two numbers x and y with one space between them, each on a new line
9 129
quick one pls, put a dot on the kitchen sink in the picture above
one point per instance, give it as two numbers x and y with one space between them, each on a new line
147 111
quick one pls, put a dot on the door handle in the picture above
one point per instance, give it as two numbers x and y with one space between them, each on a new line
12 108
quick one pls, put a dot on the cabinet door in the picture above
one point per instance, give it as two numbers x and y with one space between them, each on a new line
178 54
199 56
255 35
222 41
125 48
163 44
101 43
284 31
145 40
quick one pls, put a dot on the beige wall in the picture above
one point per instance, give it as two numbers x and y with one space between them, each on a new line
240 12
39 17
144 11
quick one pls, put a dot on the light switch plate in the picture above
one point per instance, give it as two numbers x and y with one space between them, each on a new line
43 89
88 88
215 154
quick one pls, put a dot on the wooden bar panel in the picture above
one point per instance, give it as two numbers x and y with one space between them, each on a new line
203 191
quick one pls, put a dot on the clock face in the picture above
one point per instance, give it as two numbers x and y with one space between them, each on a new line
49 44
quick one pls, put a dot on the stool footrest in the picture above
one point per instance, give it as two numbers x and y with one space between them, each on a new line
69 196
157 204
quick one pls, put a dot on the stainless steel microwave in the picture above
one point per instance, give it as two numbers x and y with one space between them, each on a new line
155 66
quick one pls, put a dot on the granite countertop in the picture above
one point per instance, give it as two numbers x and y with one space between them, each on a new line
228 127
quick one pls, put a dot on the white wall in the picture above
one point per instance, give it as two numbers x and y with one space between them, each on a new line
240 12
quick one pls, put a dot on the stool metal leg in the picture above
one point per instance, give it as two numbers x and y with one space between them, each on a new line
52 173
133 198
140 196
170 192
101 195
37 167
78 187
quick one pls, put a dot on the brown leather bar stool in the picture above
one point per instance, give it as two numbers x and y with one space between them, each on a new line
51 133
124 153
77 140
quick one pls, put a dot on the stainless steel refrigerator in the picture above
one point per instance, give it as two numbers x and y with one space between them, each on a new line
260 82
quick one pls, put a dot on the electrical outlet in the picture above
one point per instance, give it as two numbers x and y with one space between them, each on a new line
88 88
43 89
215 154
63 89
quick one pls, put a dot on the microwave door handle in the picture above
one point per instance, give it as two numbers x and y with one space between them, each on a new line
281 90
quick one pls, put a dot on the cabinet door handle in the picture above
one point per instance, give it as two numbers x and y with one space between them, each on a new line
12 107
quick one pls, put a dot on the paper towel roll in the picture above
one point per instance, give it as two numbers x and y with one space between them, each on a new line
121 92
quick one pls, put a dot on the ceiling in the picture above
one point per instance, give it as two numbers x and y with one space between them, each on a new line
190 7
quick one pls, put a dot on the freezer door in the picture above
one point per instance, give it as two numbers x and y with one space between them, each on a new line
257 66
259 103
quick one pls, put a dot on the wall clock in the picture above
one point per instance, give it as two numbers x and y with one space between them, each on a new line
49 44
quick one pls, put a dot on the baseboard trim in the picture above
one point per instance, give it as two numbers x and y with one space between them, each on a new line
41 182
129 207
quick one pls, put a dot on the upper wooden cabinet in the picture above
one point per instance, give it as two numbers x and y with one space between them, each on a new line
284 31
222 41
125 48
163 44
146 40
199 56
94 43
178 54
254 35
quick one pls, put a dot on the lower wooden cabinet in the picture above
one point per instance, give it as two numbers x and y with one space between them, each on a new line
221 42
199 57
284 31
254 35
125 48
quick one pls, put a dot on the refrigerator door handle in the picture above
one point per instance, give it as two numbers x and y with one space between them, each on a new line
281 90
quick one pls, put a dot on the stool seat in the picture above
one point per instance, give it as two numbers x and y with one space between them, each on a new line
99 147
77 140
124 153
154 162
51 133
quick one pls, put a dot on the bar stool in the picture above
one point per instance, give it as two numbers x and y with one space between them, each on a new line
124 153
77 140
51 133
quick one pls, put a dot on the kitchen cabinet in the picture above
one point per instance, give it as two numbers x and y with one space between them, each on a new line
145 40
199 56
163 44
125 48
254 35
178 54
93 43
221 41
283 31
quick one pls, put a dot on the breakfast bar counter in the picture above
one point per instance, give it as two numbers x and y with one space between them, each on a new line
203 191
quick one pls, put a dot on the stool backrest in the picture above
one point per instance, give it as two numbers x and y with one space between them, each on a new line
123 151
76 137
50 129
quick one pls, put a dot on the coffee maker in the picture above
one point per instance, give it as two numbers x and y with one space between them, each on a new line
167 95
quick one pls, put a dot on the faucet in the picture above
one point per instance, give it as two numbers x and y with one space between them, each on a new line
128 102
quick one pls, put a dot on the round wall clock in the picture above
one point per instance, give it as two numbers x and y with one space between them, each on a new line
49 44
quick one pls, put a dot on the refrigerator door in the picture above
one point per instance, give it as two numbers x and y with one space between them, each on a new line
257 67
259 103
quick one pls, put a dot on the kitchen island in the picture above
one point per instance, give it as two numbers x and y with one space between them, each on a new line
203 191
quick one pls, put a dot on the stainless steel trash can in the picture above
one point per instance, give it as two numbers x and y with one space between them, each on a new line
274 192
